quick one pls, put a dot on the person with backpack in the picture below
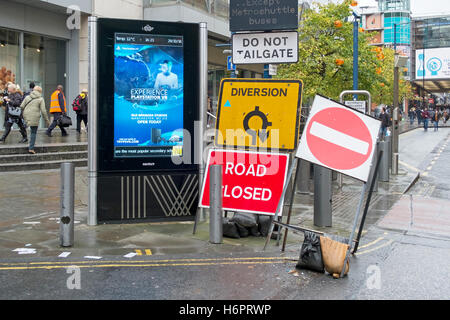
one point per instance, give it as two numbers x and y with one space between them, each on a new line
13 114
384 117
80 106
33 106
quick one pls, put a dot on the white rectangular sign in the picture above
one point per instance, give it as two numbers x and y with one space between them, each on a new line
357 105
339 138
264 48
433 63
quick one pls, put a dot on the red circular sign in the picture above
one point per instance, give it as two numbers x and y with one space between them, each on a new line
339 139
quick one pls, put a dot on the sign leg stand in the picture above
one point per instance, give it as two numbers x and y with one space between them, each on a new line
297 173
355 222
369 197
280 203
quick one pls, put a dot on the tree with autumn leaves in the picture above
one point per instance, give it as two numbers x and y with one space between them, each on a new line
325 61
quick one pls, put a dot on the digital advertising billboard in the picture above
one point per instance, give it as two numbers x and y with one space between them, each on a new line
148 95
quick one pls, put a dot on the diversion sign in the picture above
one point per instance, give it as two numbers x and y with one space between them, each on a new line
265 48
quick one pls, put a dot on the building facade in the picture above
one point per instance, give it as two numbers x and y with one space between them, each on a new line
431 58
46 41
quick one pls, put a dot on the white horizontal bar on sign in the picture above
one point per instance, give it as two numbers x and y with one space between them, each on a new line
338 138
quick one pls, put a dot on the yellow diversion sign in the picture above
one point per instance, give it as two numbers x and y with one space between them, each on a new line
259 113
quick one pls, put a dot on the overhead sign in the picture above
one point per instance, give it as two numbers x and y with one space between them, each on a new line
357 105
251 182
262 15
270 47
273 70
339 138
259 113
230 65
433 63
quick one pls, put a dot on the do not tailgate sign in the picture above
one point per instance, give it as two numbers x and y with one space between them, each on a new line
251 182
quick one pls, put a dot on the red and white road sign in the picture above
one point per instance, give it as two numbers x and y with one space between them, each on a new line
251 181
339 138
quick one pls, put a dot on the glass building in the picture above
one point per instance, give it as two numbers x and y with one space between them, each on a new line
396 12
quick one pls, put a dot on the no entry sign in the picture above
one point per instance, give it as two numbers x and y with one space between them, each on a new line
252 182
340 138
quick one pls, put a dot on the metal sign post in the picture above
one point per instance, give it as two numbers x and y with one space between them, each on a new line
367 111
92 132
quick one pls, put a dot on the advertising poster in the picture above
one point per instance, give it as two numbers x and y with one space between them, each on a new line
433 63
148 95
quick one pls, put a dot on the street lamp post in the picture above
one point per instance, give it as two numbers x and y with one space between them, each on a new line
395 113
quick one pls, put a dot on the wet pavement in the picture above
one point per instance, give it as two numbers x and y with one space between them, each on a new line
399 245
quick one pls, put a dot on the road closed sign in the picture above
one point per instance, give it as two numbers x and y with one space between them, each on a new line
270 47
339 138
259 114
251 181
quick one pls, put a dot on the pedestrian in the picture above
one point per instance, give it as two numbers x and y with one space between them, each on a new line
33 107
411 115
30 90
13 114
419 116
58 107
384 117
425 118
80 106
436 118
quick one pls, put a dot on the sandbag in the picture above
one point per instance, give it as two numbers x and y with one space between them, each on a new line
333 255
243 231
230 229
245 219
310 253
254 231
264 224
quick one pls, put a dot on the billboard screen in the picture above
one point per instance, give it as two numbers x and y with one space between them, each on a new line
148 95
433 63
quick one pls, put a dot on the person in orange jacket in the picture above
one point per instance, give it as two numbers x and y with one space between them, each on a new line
58 107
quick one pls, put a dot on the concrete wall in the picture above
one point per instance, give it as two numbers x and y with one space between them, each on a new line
181 12
26 18
120 9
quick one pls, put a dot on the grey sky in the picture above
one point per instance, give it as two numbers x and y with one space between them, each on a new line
418 7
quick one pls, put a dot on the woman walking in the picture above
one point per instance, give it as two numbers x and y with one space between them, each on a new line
33 106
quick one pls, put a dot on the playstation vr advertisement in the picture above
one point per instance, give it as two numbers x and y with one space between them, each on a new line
148 95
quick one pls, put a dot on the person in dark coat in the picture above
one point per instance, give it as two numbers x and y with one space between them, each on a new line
13 113
384 117
82 109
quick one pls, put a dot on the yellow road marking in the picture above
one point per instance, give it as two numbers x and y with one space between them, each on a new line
408 166
376 248
117 265
146 261
371 243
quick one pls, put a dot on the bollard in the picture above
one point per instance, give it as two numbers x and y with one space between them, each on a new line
66 224
322 197
215 211
383 174
388 140
394 169
303 179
